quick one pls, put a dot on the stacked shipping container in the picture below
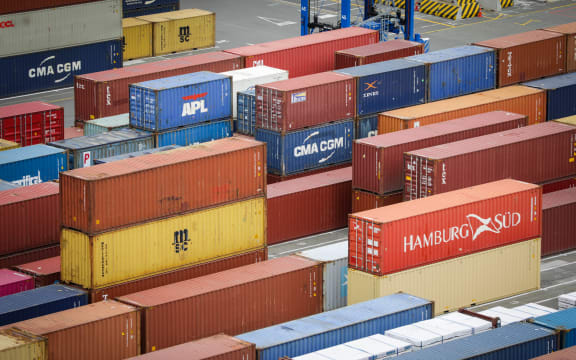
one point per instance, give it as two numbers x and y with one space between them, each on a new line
382 51
132 8
32 123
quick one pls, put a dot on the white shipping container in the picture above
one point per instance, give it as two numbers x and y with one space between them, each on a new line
343 352
543 308
399 345
505 319
476 324
447 329
373 347
531 311
416 336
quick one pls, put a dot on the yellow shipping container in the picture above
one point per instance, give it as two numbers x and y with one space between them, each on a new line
159 246
136 38
18 345
8 145
570 120
464 281
182 30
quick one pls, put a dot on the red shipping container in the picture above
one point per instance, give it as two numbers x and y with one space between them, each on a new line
153 186
306 101
32 123
9 7
536 154
308 205
569 32
558 221
231 302
106 93
304 55
557 185
29 217
378 161
44 272
273 178
528 55
12 282
73 132
382 51
363 200
29 256
424 231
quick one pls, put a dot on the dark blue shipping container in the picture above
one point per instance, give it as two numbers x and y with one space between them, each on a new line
40 301
307 149
139 4
560 94
458 71
134 154
182 100
32 164
514 341
195 134
565 322
367 126
388 85
150 10
55 69
246 121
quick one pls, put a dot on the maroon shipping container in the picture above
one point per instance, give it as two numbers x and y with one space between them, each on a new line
558 221
32 123
106 93
378 162
304 55
305 101
231 302
217 347
273 178
12 282
382 51
557 185
73 132
153 186
528 55
363 200
569 32
44 272
536 154
308 205
104 330
10 6
29 217
564 354
29 256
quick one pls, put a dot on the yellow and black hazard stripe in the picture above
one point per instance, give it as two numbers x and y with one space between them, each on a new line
464 2
428 7
447 11
470 10
400 4
506 3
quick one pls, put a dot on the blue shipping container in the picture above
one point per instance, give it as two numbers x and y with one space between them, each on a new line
560 94
182 100
195 134
367 126
388 85
305 335
309 148
458 71
139 4
83 150
32 164
40 301
565 322
55 69
150 10
134 154
246 121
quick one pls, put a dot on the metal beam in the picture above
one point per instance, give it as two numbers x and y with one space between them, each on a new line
304 17
345 13
409 16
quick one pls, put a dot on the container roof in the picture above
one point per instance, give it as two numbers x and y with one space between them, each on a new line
559 198
518 39
26 108
191 79
309 182
26 193
379 67
28 152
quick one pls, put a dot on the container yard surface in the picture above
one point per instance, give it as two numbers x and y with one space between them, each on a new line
382 51
15 344
32 123
558 227
560 91
44 272
569 30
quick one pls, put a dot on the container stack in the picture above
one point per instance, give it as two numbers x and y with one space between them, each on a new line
382 51
133 8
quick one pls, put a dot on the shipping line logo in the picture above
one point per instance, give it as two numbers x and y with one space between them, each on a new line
181 241
6 24
370 86
314 147
184 34
28 180
299 97
191 107
47 69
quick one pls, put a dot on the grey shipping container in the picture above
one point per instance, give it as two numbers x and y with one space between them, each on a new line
134 154
106 124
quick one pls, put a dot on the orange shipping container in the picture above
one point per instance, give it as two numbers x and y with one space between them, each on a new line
569 31
364 200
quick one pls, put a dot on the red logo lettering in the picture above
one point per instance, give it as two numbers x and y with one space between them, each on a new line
6 24
194 97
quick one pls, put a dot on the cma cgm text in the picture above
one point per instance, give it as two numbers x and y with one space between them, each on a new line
322 146
47 70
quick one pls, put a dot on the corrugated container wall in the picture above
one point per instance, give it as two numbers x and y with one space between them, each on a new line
564 322
8 145
29 5
29 256
366 126
363 200
281 289
136 38
44 272
569 31
32 164
560 91
195 134
32 123
246 112
272 179
12 282
151 10
111 123
557 185
465 281
135 154
564 354
131 5
382 51
558 225
16 345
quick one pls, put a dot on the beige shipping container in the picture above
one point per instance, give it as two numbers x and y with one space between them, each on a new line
18 345
570 120
460 282
182 30
8 145
136 38
155 247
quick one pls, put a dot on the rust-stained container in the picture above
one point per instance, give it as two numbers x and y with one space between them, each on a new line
29 217
127 192
317 203
305 101
44 272
9 7
32 123
558 225
382 51
29 256
304 55
273 178
557 185
217 347
569 32
378 161
536 154
105 93
20 345
104 330
364 200
528 55
231 302
424 231
515 99
568 353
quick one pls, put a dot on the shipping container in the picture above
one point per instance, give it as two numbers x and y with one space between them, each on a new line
304 55
150 10
151 248
106 93
271 178
378 163
15 344
557 185
8 145
558 225
317 203
182 100
549 148
44 272
424 231
564 354
245 122
560 93
382 51
570 120
59 27
231 302
307 149
104 330
195 134
216 172
73 132
475 323
366 126
130 5
569 32
32 164
39 302
32 123
516 99
29 256
457 71
107 124
461 282
12 282
387 85
135 154
528 55
9 7
5 185
364 200
136 38
338 326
